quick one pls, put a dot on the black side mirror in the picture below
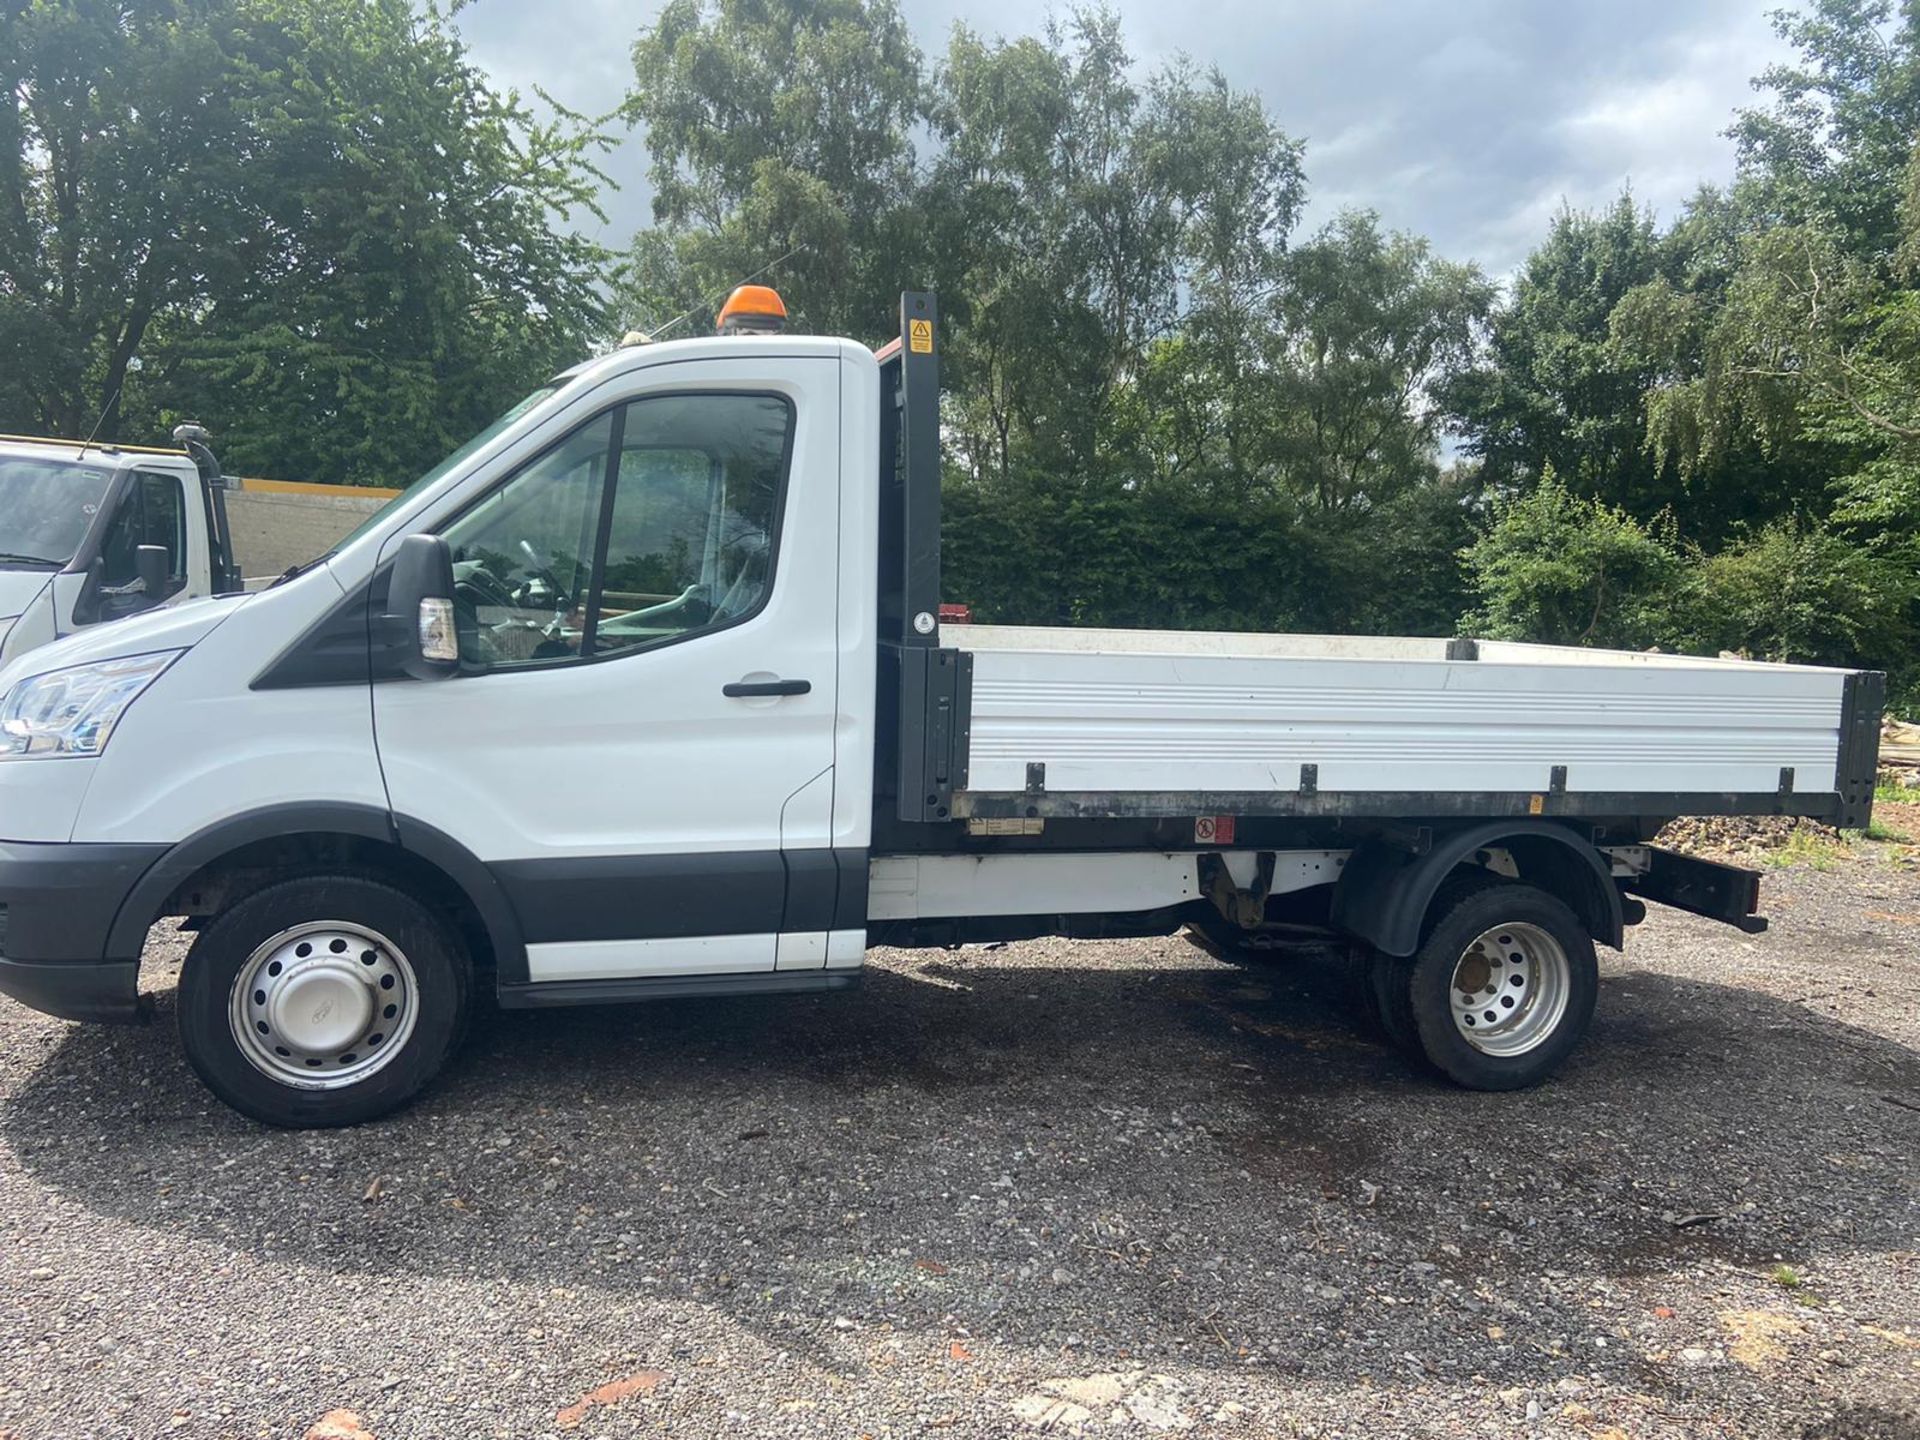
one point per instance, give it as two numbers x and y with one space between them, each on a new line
154 567
420 600
99 601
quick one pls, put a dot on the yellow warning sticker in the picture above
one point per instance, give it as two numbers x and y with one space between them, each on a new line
1535 804
920 336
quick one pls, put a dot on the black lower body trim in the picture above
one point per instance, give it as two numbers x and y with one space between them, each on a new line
82 990
60 900
672 987
662 897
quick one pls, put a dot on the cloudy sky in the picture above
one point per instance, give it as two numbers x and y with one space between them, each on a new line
1469 121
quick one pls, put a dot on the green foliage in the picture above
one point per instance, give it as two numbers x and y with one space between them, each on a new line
1557 567
1752 372
1832 148
1802 595
315 225
776 130
1170 556
312 224
121 175
1555 390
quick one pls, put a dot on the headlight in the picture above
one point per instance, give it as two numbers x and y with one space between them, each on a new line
73 712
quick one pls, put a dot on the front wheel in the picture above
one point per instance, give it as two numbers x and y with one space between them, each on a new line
1503 987
324 1000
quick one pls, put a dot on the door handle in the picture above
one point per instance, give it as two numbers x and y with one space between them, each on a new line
743 689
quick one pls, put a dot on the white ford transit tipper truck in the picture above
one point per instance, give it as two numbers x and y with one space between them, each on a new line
91 533
644 693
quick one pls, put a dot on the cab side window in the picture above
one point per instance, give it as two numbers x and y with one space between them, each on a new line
653 522
153 512
523 557
691 531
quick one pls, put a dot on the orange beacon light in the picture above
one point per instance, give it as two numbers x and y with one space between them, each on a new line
752 310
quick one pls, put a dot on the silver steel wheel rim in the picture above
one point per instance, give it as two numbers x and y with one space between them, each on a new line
1509 989
323 1006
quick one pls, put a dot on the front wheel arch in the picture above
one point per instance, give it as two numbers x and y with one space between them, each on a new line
284 841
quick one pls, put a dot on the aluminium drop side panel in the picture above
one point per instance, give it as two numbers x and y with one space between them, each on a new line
1207 721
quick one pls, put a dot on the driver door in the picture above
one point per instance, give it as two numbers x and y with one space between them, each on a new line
640 743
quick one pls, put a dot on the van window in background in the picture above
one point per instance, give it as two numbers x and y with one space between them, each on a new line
153 513
45 509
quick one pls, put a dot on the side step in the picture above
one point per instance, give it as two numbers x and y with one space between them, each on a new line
537 995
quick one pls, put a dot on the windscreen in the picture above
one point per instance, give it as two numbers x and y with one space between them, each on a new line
46 507
446 466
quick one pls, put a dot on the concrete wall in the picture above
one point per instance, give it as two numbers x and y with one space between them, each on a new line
278 523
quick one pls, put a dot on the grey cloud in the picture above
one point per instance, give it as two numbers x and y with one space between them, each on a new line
1468 122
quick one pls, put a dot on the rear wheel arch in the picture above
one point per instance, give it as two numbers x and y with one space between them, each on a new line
1385 893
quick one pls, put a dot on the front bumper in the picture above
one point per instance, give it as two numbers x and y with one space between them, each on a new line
57 908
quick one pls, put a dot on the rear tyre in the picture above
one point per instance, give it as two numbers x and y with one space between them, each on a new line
326 1000
1387 982
1503 987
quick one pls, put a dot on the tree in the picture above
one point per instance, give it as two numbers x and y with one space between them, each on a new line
1566 569
779 132
314 225
1803 595
1554 391
1810 351
1832 149
1085 219
1364 324
122 177
404 279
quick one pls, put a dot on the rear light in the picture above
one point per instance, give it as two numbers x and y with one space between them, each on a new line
956 614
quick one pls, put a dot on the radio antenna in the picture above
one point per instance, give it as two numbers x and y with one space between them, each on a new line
105 410
707 302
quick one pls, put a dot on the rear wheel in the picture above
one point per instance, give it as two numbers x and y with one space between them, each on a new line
1387 981
1503 987
322 1001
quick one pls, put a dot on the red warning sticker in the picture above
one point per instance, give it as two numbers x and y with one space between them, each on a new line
1213 830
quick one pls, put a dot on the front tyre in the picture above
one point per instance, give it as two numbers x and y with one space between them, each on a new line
1503 987
325 1000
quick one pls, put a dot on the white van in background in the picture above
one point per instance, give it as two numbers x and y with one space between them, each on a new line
95 533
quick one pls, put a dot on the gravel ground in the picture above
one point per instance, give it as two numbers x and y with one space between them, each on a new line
1057 1187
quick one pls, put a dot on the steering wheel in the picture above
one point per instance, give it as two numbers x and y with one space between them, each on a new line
528 595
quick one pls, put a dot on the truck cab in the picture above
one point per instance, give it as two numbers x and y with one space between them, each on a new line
95 533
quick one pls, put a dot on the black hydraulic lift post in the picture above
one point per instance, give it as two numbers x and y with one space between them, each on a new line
919 472
934 682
